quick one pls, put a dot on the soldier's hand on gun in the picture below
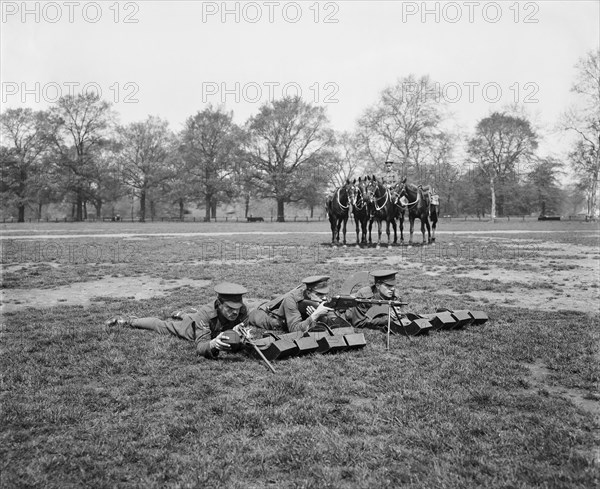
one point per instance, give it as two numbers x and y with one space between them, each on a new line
321 310
218 344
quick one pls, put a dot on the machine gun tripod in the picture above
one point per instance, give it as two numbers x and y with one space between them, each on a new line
347 301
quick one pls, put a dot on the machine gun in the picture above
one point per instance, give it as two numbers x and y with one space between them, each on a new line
341 302
347 301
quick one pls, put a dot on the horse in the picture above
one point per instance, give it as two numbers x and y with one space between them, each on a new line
417 200
399 210
338 206
360 209
381 208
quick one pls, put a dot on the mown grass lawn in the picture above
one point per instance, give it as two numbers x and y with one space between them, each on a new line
82 407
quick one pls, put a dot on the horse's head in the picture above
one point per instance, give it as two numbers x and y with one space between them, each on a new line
395 191
344 194
404 193
371 189
359 192
351 191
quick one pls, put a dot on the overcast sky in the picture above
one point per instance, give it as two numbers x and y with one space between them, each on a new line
171 58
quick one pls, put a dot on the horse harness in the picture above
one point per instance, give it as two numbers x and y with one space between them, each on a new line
337 193
387 196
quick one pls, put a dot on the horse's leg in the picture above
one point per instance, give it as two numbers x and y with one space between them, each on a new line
395 230
428 232
344 229
412 228
332 225
433 223
370 229
387 230
337 234
401 228
423 221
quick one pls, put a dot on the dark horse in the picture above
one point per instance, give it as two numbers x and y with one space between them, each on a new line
338 205
381 208
360 209
398 210
418 202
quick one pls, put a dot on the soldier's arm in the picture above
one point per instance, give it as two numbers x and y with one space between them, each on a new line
358 315
293 317
203 335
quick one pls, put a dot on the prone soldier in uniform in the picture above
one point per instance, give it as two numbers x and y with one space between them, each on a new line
204 326
286 313
384 289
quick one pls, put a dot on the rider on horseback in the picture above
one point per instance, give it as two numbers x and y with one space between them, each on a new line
389 177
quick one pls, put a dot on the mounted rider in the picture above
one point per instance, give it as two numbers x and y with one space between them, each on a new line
390 176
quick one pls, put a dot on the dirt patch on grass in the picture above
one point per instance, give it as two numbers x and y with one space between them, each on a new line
83 293
539 375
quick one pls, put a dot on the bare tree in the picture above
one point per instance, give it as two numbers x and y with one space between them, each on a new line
351 160
584 121
500 142
144 153
287 140
211 146
81 128
402 123
26 134
442 172
542 190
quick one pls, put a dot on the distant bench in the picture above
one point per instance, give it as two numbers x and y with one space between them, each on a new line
256 219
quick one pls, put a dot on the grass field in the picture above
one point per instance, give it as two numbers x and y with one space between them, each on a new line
510 403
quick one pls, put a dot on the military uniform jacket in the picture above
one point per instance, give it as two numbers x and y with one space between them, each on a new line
389 178
289 312
208 324
358 315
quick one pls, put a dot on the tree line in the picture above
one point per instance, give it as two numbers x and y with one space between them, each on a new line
75 152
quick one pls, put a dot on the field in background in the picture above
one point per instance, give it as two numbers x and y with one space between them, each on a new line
510 403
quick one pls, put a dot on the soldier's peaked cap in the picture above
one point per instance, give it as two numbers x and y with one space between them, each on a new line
389 162
231 294
385 276
318 283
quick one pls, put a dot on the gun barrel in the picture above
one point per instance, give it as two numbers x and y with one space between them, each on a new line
381 302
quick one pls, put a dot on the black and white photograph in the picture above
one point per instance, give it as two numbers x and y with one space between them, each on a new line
300 244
